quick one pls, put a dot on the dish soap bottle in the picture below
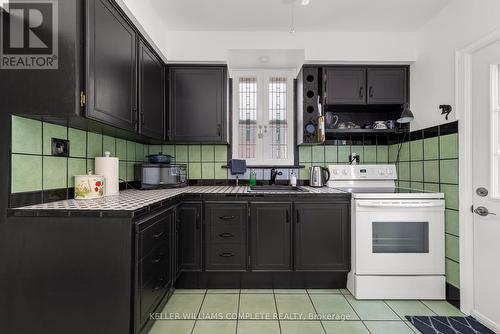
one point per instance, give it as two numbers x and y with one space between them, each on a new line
253 178
293 179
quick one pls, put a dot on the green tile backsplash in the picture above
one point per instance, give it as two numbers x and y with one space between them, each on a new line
204 161
324 155
34 169
432 164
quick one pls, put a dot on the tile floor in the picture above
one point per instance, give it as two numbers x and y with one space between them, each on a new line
289 311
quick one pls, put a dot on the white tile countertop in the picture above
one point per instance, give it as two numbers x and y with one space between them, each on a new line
132 200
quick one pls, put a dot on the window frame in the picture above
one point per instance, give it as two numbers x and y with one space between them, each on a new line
263 76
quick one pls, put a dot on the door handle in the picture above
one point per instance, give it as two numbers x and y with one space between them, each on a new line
370 91
483 212
361 92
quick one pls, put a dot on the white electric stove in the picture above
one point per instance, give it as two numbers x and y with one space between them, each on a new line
397 235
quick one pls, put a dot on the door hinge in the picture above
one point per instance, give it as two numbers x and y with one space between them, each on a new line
83 99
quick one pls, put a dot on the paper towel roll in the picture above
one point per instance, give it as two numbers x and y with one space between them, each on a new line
109 168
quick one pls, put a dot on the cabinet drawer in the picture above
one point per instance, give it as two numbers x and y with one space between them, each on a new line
226 233
226 257
226 222
151 294
153 236
155 264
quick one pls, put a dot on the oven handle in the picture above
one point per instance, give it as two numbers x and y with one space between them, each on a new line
401 204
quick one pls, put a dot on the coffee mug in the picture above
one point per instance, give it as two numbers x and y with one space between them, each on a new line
379 125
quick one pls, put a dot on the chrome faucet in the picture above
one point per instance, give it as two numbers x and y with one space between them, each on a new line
274 174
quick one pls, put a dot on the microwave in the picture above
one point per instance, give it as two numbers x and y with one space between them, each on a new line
155 176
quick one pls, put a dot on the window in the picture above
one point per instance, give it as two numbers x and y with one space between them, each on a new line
263 117
494 131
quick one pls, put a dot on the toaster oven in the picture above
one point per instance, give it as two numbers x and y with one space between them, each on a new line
154 176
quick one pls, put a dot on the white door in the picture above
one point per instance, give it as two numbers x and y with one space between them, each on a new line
486 173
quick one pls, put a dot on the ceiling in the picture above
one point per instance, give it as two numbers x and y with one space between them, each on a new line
275 15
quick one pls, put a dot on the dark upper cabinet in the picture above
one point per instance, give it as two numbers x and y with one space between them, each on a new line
190 243
197 104
386 85
151 93
271 234
345 85
112 66
365 85
322 236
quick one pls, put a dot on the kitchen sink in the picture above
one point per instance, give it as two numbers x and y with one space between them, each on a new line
275 188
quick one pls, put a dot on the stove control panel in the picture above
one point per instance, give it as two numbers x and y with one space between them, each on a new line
362 172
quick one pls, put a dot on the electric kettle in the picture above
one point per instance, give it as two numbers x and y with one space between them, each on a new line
319 176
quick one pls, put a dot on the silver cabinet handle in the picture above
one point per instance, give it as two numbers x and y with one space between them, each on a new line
482 211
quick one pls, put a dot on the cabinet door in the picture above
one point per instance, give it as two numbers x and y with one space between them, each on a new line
112 66
345 85
151 93
155 267
197 104
386 85
226 236
176 263
190 247
270 230
322 237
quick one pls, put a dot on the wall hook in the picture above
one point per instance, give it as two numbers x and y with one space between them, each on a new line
445 110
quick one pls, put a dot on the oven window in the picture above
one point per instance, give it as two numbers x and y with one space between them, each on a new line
400 237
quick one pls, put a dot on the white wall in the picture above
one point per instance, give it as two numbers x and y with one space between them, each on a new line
212 46
148 21
433 74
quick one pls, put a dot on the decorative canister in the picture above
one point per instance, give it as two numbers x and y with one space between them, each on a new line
89 186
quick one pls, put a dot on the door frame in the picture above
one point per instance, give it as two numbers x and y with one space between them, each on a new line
463 103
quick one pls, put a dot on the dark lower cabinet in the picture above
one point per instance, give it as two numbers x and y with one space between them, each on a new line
154 266
112 66
271 235
226 236
190 232
322 236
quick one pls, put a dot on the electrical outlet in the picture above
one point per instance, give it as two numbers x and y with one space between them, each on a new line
60 147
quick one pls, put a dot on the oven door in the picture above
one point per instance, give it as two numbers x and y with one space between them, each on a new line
399 237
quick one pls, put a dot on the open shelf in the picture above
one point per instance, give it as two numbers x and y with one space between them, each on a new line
361 131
